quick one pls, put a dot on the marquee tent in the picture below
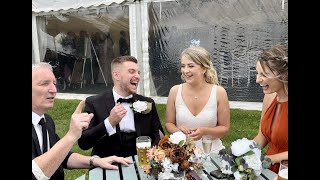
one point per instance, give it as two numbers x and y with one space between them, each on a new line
234 32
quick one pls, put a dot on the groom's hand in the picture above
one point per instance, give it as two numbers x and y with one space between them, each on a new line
116 114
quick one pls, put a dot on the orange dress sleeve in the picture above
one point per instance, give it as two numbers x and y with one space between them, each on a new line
277 137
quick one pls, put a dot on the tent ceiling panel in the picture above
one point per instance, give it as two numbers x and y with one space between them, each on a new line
57 5
90 24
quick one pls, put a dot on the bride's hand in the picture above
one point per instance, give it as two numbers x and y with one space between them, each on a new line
184 130
196 133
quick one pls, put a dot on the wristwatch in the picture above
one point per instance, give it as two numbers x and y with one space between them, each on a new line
91 160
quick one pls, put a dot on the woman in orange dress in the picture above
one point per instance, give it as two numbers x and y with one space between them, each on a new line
272 75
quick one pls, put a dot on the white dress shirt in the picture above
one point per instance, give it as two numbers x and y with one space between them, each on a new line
37 172
35 121
127 122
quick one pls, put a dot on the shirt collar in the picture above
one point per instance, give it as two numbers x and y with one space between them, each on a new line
116 96
36 118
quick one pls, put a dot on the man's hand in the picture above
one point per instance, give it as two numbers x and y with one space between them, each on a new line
116 114
106 162
79 121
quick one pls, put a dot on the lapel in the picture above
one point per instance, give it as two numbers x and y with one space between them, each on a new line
35 141
136 117
51 132
52 138
107 103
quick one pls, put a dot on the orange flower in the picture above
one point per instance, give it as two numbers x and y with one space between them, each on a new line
164 143
159 155
184 165
146 168
150 152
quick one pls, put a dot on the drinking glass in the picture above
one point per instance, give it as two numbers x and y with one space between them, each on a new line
206 145
283 170
143 143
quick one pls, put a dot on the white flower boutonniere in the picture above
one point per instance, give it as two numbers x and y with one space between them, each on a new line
142 107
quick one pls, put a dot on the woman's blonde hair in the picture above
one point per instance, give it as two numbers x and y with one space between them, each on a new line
276 59
202 57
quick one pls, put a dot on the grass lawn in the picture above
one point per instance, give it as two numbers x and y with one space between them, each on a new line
244 123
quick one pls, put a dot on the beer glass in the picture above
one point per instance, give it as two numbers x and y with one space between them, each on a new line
283 170
143 143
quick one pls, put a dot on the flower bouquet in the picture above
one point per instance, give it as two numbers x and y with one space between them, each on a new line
173 157
243 160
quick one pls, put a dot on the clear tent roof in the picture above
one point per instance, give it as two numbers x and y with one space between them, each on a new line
57 5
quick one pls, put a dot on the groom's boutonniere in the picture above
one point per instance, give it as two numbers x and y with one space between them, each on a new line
142 107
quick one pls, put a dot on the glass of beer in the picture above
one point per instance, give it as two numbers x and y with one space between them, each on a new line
283 170
143 143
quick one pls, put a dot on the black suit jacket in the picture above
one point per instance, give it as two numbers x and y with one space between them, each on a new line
96 135
53 138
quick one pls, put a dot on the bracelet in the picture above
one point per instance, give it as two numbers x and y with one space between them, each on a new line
91 160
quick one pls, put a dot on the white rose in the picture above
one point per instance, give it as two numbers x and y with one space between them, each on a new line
241 146
176 137
225 164
139 106
175 167
167 164
254 161
166 175
237 175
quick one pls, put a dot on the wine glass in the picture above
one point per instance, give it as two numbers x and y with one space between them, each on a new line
206 145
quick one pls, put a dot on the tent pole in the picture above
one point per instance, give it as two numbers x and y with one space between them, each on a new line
97 59
35 41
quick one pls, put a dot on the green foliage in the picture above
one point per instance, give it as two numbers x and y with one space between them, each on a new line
180 144
248 153
266 163
244 123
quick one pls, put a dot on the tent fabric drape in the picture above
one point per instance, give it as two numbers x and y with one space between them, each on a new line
56 5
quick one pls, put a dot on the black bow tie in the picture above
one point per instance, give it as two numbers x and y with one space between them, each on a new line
121 100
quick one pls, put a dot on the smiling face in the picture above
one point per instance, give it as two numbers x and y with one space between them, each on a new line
191 71
43 90
268 80
126 76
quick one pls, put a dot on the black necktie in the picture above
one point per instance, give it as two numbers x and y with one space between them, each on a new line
44 135
121 100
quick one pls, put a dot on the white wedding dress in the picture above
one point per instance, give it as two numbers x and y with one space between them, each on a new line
207 117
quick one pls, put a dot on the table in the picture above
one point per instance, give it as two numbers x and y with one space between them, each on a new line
130 173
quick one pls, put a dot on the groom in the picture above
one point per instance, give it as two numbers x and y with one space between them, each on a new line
115 126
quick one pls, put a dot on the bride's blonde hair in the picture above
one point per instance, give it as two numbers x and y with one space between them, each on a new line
202 57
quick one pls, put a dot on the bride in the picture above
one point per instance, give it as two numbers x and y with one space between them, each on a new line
199 106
